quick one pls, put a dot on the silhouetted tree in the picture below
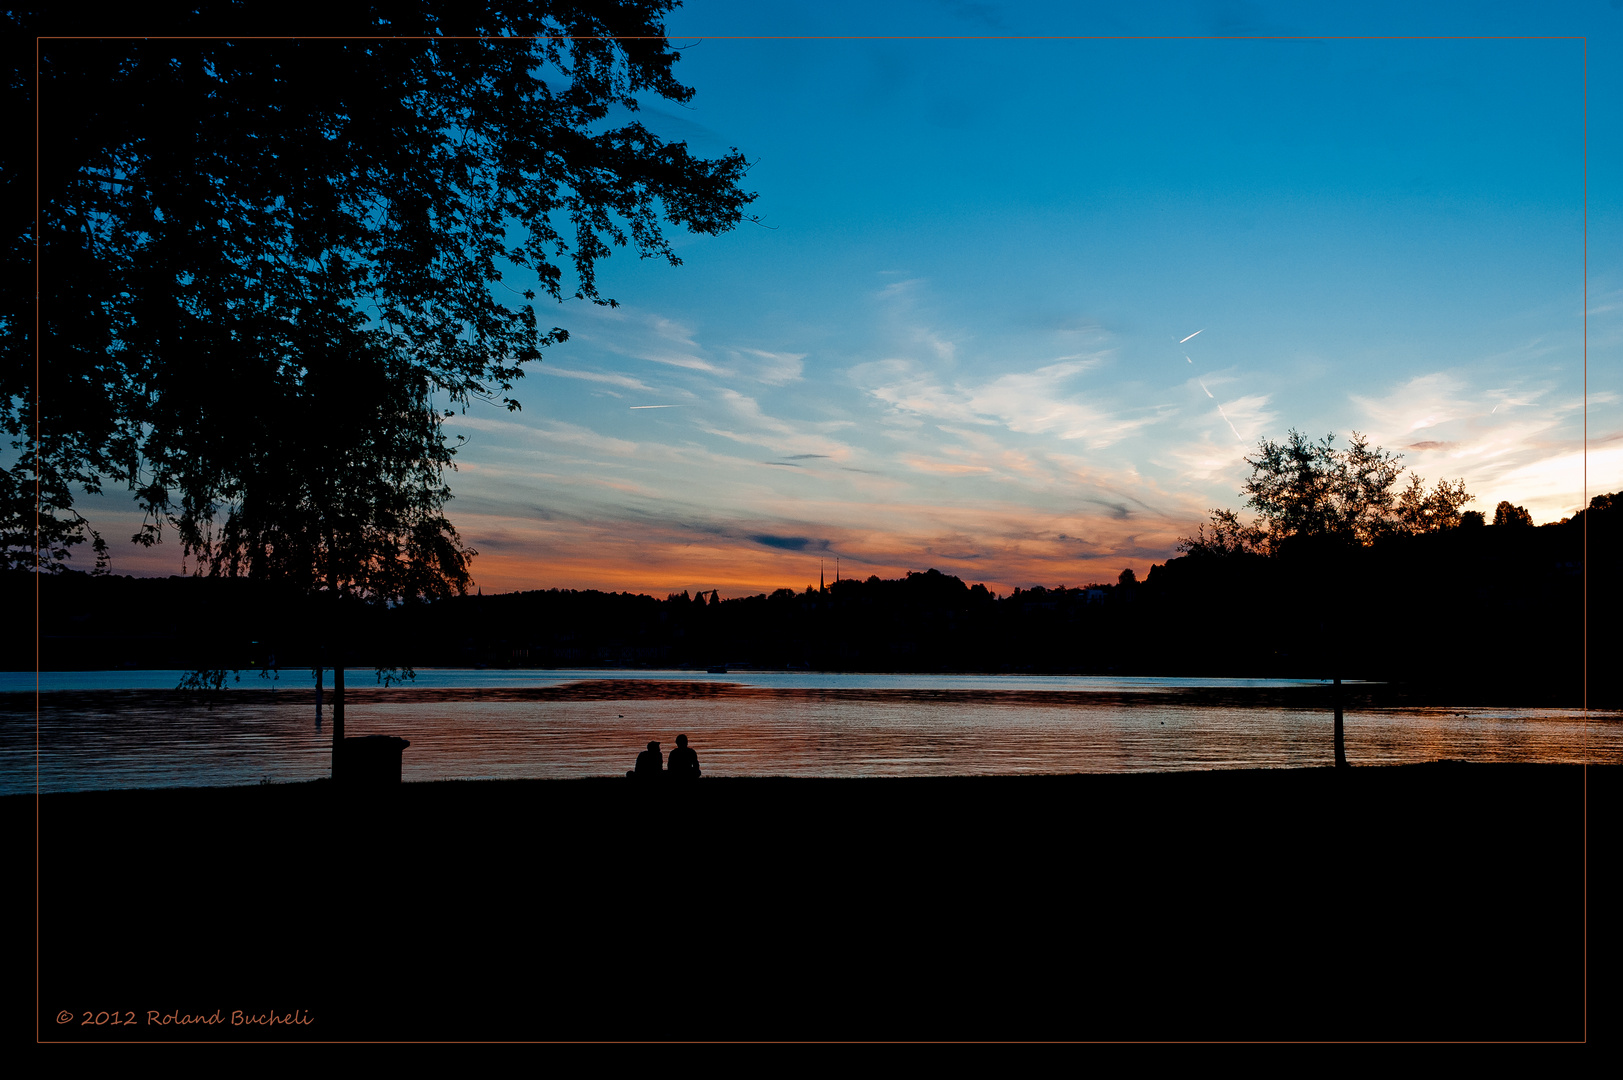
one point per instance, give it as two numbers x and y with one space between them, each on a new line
1422 511
61 528
1303 489
222 218
263 262
1228 537
1323 503
1506 513
1306 489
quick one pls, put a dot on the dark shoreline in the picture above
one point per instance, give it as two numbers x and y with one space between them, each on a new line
361 691
1440 901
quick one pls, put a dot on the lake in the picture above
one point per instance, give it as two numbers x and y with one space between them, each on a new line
124 729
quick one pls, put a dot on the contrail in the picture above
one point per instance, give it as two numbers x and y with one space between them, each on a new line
1202 330
1220 411
1186 357
687 406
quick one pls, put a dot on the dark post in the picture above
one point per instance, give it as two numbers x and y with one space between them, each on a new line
338 705
336 640
1341 745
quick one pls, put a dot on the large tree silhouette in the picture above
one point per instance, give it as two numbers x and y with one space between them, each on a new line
1308 493
1315 506
267 266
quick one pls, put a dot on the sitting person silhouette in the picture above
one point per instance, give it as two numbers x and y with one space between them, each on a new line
684 762
649 764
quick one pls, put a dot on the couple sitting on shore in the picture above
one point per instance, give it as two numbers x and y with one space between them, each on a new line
684 764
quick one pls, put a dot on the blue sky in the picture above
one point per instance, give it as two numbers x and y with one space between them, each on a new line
953 340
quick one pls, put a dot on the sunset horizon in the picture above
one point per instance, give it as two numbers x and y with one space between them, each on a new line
571 522
1028 335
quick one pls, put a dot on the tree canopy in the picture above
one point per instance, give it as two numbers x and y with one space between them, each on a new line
1509 514
1302 490
267 265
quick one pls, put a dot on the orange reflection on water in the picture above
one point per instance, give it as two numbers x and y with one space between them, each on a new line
101 739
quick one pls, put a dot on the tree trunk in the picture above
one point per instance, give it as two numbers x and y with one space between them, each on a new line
338 703
337 714
335 623
1341 745
319 672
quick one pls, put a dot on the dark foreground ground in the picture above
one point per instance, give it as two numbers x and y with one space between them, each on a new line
1422 902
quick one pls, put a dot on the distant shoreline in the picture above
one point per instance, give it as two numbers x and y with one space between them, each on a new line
453 684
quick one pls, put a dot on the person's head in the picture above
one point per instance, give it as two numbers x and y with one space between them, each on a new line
654 746
681 740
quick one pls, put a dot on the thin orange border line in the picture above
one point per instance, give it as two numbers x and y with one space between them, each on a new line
1584 491
818 37
38 847
1584 558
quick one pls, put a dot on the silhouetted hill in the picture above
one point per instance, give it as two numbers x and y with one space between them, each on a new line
1489 613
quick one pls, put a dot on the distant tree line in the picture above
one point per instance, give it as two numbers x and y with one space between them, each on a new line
1475 612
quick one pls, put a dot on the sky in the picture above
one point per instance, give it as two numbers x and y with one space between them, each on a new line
1018 309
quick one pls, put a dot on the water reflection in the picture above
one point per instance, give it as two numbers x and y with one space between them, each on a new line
531 678
594 727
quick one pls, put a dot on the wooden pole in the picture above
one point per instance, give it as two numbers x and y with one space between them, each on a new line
1341 744
338 702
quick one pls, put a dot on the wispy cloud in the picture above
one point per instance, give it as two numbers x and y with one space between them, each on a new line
1423 402
1518 443
644 335
1044 401
754 426
772 368
899 288
609 378
1249 416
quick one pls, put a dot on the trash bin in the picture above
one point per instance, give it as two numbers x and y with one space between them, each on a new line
368 761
